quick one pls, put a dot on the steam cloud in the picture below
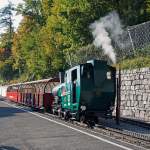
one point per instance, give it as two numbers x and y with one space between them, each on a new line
105 29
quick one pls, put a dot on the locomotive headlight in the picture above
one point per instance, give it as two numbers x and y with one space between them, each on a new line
83 108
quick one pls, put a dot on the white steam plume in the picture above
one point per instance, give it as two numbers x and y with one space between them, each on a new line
103 30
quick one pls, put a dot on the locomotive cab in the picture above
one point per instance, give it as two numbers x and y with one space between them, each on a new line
97 88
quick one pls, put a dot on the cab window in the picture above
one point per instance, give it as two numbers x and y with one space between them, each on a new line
87 71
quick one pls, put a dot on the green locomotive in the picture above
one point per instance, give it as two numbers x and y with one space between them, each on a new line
88 91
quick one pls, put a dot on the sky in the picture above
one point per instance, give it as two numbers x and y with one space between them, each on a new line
16 19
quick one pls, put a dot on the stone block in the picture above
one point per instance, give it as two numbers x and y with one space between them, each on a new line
144 102
142 114
126 107
147 91
122 97
137 113
128 87
132 103
137 77
122 107
123 87
146 118
131 96
141 87
128 103
145 81
127 97
135 103
126 83
125 78
147 76
132 87
133 83
133 92
137 87
141 91
145 97
147 87
141 76
124 112
141 104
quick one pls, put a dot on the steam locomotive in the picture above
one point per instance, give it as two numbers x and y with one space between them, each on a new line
83 92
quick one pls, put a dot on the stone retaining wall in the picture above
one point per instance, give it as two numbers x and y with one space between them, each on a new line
135 94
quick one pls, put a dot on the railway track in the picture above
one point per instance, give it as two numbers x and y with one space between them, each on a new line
136 122
111 131
130 137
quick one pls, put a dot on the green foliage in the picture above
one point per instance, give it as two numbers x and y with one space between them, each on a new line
141 59
7 72
6 14
6 61
133 11
54 33
137 62
143 51
33 9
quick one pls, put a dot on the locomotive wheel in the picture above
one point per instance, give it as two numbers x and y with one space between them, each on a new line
82 119
66 115
53 111
59 113
91 124
96 120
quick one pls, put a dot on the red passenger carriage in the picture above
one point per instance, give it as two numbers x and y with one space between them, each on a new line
36 94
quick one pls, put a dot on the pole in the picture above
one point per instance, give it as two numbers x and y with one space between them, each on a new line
118 97
133 48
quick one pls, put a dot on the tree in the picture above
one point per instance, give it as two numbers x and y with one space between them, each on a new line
32 9
67 27
52 31
7 72
6 22
147 8
132 11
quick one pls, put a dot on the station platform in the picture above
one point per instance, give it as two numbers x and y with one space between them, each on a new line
25 130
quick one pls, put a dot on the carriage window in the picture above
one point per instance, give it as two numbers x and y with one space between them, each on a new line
12 89
87 71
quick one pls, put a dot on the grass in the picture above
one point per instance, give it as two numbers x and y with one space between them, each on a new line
138 62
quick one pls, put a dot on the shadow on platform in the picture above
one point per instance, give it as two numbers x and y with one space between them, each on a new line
9 111
8 148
